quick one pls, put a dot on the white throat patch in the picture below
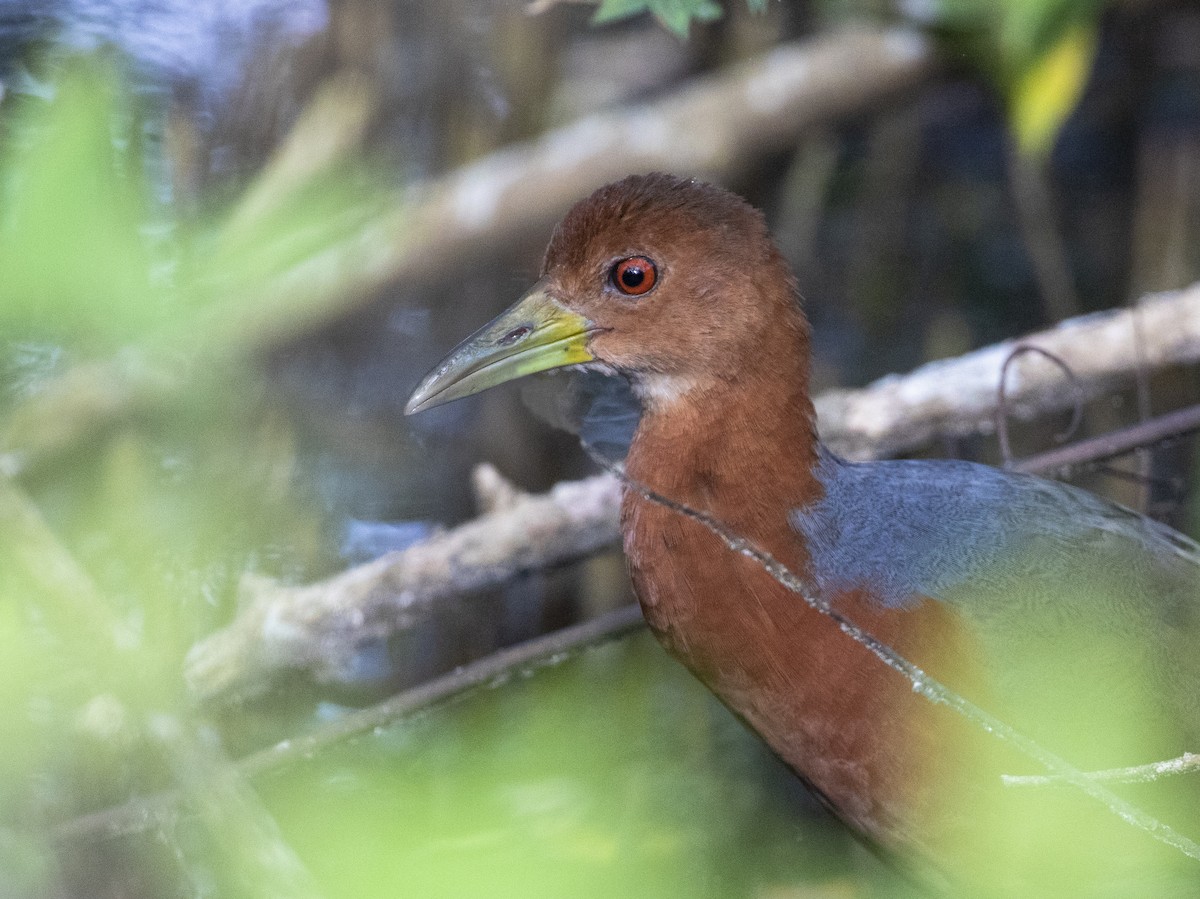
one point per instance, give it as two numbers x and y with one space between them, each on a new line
661 391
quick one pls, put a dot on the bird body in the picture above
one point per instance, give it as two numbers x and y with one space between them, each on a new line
1071 619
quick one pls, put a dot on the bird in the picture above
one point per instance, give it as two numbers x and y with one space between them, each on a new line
1070 619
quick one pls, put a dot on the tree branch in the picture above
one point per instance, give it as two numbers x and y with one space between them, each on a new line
956 397
709 126
318 627
158 810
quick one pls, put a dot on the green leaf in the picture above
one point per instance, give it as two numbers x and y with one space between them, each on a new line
1044 94
73 252
89 262
1037 54
675 15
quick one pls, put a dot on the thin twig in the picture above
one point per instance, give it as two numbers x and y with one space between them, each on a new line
493 670
145 812
1187 763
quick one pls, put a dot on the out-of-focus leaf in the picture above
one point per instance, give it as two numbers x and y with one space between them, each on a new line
1037 53
306 229
613 774
73 257
1046 92
675 15
117 558
85 260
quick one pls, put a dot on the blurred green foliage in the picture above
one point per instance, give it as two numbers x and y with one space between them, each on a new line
75 265
125 548
1037 53
675 15
612 774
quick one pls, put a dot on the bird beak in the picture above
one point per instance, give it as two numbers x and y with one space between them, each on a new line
535 334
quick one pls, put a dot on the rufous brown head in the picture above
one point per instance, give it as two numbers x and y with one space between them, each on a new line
668 280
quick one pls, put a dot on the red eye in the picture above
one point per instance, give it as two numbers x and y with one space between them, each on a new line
634 276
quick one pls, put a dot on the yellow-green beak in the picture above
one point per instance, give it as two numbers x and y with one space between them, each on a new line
535 334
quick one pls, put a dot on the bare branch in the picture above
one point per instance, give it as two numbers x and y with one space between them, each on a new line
710 126
958 396
318 627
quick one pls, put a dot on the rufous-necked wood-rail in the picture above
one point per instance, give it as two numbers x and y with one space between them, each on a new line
1073 620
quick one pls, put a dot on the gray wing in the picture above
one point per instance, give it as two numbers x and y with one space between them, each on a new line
1066 593
914 527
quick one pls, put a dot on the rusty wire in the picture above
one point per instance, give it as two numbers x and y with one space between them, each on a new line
1093 450
1002 401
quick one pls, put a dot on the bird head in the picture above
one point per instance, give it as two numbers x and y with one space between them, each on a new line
669 281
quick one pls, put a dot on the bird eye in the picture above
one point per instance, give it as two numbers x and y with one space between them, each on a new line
634 276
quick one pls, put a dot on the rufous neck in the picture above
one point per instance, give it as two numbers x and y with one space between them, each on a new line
733 448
